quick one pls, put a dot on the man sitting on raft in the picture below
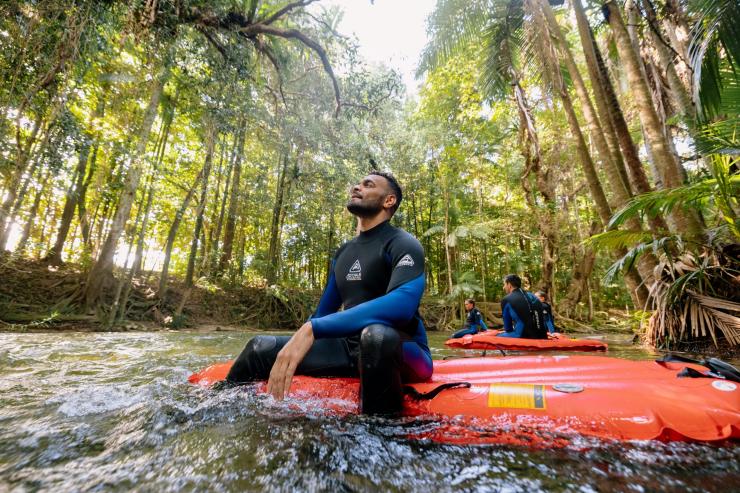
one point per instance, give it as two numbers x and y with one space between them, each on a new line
378 277
474 322
522 311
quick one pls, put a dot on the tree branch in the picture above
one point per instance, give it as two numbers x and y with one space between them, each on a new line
296 34
285 10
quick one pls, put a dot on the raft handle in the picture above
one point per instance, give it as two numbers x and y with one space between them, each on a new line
717 368
427 396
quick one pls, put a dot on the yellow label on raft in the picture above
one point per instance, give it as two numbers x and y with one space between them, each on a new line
516 396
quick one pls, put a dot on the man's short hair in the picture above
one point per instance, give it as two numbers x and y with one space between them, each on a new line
471 301
514 280
395 187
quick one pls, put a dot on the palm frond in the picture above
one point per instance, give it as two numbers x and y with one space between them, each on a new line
715 28
629 259
617 239
664 201
722 137
504 43
453 26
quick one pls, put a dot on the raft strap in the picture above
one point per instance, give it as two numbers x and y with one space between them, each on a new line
427 396
717 368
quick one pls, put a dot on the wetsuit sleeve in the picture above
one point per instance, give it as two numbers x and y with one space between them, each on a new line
400 303
513 326
393 309
551 320
550 325
330 299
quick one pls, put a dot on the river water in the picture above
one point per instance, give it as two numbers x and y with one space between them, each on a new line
114 412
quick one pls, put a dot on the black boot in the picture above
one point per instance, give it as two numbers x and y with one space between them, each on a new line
381 390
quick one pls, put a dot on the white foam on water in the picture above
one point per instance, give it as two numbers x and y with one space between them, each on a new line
97 399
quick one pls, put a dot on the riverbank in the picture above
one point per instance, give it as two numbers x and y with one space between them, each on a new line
38 297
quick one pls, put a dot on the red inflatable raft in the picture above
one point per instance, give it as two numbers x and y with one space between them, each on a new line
489 340
548 400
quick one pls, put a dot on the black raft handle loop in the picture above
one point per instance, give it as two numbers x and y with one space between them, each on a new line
717 368
427 396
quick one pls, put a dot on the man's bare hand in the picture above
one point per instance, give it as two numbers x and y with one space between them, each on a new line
287 361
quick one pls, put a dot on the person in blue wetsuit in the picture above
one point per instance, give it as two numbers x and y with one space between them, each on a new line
547 311
474 322
378 279
522 311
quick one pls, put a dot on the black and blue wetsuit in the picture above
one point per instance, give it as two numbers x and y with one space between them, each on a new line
378 277
523 316
474 323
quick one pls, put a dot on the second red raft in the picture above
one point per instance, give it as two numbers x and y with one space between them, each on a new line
489 340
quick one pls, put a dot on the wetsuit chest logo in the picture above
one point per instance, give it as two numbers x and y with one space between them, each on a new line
355 272
405 261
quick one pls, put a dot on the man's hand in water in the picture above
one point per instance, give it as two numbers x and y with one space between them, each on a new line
287 361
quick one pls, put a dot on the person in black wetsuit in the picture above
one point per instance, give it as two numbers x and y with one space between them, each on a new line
474 322
547 310
522 311
378 278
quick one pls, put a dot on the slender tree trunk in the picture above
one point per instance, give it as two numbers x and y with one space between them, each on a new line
617 178
228 244
210 145
73 193
32 214
545 216
638 177
614 169
667 61
23 154
172 235
102 269
136 265
687 222
448 258
277 211
222 209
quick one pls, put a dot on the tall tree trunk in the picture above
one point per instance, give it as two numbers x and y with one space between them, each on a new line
228 244
22 157
210 145
687 223
546 219
73 192
579 280
277 211
172 235
82 200
614 169
667 60
136 265
632 278
222 208
638 177
101 271
32 214
448 258
607 154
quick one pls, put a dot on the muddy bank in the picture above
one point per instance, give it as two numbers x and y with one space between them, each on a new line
35 296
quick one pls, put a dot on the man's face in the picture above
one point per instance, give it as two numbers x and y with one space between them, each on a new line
468 306
508 288
541 298
370 196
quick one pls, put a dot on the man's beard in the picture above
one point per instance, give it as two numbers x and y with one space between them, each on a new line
365 208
